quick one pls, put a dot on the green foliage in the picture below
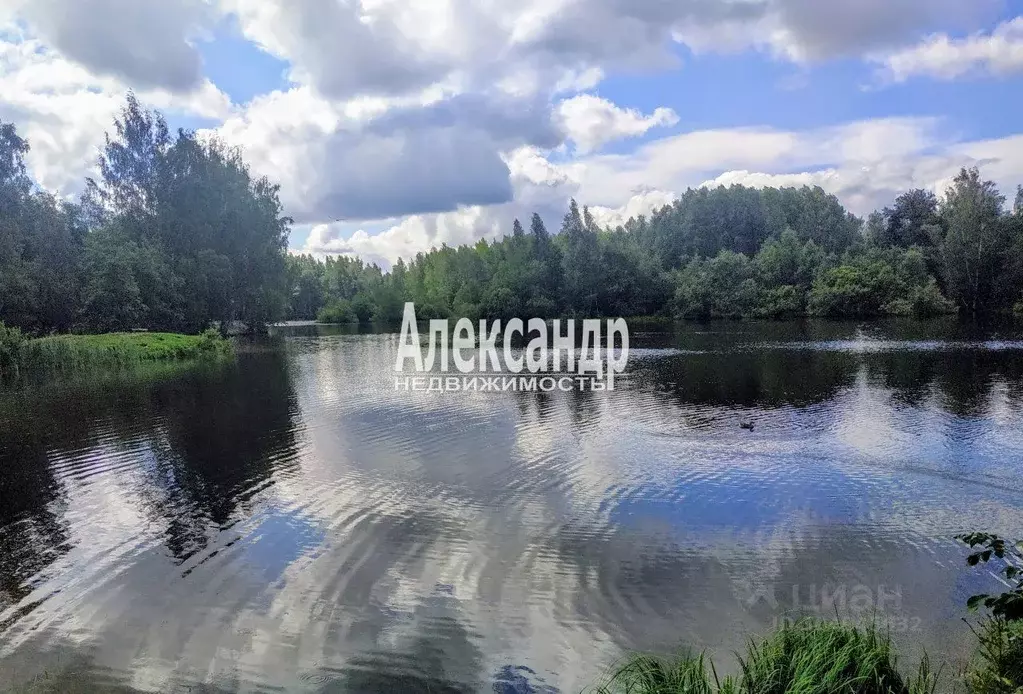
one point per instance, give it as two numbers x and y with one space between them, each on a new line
40 247
581 254
175 235
703 222
807 657
850 291
788 261
646 674
305 280
927 301
723 287
337 311
73 353
11 341
363 308
723 253
878 282
786 301
213 345
815 656
912 221
977 243
1007 605
998 665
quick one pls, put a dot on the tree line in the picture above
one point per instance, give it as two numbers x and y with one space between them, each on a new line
175 234
734 252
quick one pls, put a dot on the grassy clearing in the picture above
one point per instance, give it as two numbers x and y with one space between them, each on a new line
63 354
808 657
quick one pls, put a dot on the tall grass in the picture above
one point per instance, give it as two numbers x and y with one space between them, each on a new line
647 674
998 665
822 657
63 354
11 341
807 657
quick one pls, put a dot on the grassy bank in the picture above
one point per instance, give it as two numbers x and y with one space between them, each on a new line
808 657
818 657
61 354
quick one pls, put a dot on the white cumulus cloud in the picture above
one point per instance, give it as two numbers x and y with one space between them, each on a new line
865 163
63 109
405 124
591 122
946 58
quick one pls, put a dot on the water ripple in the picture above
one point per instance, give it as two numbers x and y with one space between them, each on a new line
297 524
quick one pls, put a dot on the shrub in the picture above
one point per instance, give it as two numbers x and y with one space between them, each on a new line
212 344
338 311
362 305
927 301
1009 604
786 301
898 307
11 340
844 291
998 666
721 287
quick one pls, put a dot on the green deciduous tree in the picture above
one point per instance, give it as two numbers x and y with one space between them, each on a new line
177 234
174 234
212 236
972 252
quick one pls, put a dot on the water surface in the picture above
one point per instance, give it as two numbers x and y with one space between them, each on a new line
292 523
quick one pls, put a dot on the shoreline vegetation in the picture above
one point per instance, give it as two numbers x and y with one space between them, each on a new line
815 656
733 253
176 235
76 354
809 656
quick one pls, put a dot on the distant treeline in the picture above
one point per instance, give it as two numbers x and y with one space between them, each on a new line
176 235
723 252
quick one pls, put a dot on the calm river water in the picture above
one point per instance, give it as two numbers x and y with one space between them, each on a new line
292 523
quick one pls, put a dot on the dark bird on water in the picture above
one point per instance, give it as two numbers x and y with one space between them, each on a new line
747 424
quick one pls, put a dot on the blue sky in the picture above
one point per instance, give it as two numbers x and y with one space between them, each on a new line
241 69
396 125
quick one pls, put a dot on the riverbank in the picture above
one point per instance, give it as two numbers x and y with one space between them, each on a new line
62 354
818 657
